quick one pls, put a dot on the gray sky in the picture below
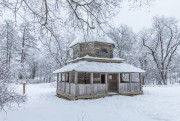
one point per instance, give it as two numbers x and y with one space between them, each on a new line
142 17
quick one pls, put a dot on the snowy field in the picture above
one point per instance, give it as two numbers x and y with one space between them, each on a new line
157 104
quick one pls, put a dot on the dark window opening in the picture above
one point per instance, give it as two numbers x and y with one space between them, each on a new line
83 78
125 78
102 78
102 52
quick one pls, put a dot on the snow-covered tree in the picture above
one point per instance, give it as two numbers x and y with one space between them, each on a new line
28 44
9 40
125 43
162 41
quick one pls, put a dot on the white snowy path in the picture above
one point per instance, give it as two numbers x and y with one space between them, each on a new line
157 104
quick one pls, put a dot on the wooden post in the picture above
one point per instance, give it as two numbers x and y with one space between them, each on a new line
60 80
119 81
65 82
130 79
57 81
140 80
76 81
24 87
106 83
69 75
92 85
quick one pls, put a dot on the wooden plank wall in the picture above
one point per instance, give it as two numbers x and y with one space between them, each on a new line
126 87
82 89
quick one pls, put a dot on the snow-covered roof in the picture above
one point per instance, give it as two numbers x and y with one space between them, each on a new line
97 58
85 66
93 37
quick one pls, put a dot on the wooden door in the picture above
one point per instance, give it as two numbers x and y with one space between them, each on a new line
113 83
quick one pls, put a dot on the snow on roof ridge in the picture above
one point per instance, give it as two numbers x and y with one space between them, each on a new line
114 58
85 66
94 37
91 57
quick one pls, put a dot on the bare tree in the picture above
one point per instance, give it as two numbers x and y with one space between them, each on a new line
162 41
9 37
8 93
27 44
58 48
124 39
82 14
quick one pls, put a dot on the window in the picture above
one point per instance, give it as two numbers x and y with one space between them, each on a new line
135 77
96 78
76 52
102 52
83 78
63 77
110 76
102 78
99 78
125 77
71 77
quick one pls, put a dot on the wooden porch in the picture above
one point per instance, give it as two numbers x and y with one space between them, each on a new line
80 85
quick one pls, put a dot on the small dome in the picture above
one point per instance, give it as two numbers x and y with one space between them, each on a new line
93 37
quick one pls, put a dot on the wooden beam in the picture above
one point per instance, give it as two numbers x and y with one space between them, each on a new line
65 82
130 81
119 81
69 75
140 80
57 81
76 82
61 81
92 85
106 82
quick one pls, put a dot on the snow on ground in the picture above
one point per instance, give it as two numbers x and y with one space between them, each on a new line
157 104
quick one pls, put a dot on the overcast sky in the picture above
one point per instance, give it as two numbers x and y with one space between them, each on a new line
142 17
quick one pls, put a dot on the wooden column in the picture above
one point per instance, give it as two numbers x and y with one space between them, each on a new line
76 82
106 82
24 87
60 79
130 80
92 85
119 81
65 82
60 76
69 75
140 81
57 81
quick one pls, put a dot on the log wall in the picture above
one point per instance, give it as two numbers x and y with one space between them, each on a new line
93 49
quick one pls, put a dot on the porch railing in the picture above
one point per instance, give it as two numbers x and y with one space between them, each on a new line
90 89
81 89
